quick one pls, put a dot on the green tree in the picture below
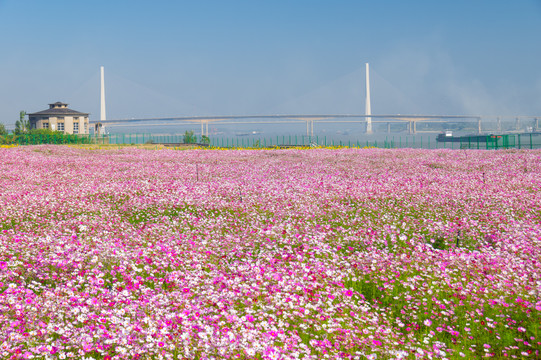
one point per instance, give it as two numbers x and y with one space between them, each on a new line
22 125
189 137
3 131
205 139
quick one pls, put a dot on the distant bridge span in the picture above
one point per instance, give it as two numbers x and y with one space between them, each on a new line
293 118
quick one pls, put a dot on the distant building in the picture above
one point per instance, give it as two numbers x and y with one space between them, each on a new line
59 118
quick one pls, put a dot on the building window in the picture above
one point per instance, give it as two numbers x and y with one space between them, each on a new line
86 127
45 125
61 118
60 126
75 127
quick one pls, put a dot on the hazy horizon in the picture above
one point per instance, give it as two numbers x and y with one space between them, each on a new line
243 57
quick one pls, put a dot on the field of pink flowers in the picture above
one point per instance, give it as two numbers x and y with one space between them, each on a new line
313 254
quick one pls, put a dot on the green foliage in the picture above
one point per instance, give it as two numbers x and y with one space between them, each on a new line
189 137
22 126
205 139
43 136
439 243
46 132
3 131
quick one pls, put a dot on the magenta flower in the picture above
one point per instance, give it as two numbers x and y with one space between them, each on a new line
267 247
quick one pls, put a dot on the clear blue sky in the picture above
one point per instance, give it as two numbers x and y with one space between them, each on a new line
215 57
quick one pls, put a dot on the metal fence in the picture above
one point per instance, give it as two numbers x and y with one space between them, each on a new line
505 141
114 139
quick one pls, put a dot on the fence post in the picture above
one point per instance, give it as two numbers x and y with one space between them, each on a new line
531 143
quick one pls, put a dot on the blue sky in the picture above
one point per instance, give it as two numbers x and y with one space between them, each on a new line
211 57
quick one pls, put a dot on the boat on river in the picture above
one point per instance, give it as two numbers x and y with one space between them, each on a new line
449 137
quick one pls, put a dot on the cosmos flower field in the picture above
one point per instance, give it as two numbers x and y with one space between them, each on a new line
269 254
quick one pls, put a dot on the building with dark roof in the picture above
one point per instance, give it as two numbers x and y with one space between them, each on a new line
58 117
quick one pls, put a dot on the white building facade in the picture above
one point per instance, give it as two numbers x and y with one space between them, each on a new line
58 117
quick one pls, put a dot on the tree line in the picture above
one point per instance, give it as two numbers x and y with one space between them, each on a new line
22 126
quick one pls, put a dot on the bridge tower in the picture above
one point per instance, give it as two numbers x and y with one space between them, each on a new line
367 109
99 128
102 102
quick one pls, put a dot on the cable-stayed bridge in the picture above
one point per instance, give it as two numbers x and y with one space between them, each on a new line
364 120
